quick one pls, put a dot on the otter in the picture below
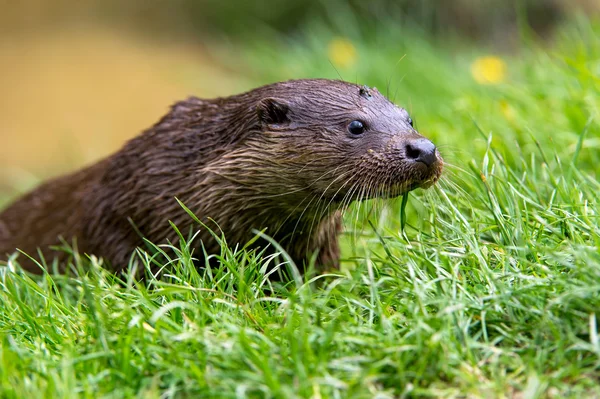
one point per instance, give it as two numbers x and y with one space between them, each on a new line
286 159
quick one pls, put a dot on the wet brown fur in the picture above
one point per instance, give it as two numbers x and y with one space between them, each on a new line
278 158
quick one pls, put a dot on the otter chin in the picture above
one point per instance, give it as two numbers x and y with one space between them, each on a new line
285 158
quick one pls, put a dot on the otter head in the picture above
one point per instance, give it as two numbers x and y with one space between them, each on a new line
342 142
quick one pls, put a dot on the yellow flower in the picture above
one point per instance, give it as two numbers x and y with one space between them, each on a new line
507 110
342 52
488 70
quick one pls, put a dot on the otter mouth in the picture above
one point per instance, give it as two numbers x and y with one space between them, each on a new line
421 177
397 190
394 190
401 189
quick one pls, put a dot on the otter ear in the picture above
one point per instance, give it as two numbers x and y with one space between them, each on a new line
272 111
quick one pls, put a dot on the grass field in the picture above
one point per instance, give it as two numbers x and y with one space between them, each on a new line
492 290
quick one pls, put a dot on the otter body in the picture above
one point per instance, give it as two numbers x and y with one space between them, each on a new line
284 158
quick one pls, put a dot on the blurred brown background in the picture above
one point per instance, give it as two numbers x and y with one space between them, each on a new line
76 83
79 78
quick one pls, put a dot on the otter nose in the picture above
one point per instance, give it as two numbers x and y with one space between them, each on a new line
421 150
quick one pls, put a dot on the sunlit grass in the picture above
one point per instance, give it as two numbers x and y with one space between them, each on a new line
492 290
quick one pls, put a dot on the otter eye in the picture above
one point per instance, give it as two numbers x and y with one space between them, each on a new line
410 121
356 127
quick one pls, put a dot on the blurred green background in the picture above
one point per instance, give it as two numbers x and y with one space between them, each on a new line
79 78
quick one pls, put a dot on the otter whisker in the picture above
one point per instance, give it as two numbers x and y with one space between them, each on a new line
326 208
304 188
312 198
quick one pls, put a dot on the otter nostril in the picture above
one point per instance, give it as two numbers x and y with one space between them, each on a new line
421 150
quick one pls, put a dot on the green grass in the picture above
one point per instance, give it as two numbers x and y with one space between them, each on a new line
492 290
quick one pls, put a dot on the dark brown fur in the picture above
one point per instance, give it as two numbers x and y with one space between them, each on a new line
278 158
